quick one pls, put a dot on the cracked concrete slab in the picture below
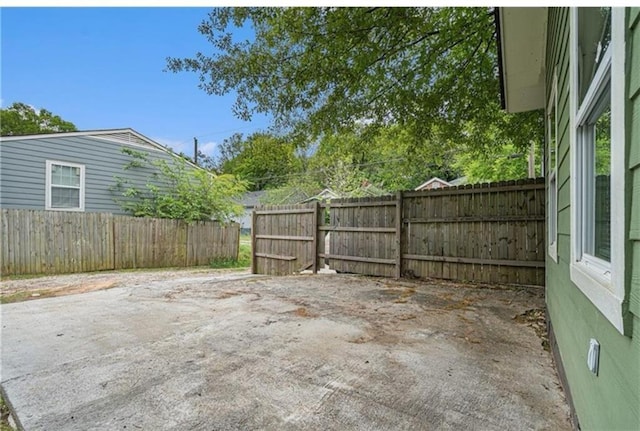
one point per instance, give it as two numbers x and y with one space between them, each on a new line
237 352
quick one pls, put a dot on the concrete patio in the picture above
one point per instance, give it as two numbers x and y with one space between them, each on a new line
232 351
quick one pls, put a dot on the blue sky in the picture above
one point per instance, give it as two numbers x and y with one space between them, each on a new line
102 68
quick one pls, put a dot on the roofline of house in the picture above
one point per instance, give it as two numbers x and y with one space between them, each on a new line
97 133
426 183
76 133
521 39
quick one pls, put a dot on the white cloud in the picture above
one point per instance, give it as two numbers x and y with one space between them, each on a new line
186 147
208 148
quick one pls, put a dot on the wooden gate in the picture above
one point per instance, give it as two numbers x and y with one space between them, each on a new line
365 235
491 233
284 239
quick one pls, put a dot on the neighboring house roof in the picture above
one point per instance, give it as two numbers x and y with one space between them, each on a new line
426 185
366 190
522 38
295 197
326 194
459 181
127 136
371 190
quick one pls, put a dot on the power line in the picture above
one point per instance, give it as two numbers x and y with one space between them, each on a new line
223 131
320 170
187 142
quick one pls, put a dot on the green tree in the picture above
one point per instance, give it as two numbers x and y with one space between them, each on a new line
603 143
320 71
297 189
229 150
22 119
506 159
392 160
178 191
265 161
502 163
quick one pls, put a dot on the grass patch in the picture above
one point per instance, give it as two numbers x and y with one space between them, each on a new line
21 276
24 296
243 261
4 416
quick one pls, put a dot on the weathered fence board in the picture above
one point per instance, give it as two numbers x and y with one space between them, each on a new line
149 243
211 240
487 233
363 235
284 239
484 232
55 242
48 242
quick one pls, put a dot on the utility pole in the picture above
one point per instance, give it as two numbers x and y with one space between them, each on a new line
532 160
195 151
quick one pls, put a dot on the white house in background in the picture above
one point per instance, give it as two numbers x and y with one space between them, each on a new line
324 195
433 183
249 201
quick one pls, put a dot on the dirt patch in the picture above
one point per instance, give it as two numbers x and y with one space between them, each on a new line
536 318
459 305
228 294
26 289
30 294
304 312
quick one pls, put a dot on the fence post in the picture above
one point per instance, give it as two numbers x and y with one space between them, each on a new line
254 262
113 241
398 268
314 246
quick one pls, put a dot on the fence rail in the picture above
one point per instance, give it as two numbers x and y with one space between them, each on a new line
56 242
485 232
284 239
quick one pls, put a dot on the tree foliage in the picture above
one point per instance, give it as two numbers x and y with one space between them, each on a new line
356 164
498 164
320 71
390 160
177 190
22 119
263 160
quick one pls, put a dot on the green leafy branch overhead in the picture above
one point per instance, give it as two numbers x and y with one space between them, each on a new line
322 71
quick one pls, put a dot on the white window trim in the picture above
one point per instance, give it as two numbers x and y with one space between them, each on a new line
553 103
49 164
603 285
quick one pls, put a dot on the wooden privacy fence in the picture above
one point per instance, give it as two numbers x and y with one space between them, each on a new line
55 242
484 232
284 239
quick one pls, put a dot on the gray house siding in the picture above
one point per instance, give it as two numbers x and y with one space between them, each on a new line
245 220
249 200
23 169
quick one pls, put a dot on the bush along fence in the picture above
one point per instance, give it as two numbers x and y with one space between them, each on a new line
492 233
56 242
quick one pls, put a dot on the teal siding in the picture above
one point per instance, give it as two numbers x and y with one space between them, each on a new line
610 400
23 165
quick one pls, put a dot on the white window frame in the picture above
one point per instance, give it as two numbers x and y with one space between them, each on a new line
49 165
601 282
552 192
